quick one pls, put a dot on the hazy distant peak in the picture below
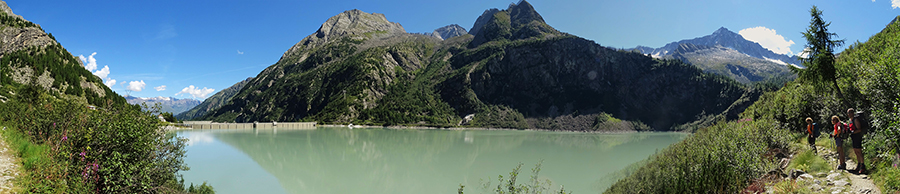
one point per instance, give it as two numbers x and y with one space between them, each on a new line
723 30
449 31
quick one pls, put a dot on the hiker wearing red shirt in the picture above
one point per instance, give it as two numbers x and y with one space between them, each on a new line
839 135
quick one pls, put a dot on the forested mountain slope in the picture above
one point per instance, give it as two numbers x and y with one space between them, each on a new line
514 71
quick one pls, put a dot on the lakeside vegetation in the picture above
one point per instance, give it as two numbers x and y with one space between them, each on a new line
65 147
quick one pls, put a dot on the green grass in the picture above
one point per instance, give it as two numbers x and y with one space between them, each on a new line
791 186
36 168
809 162
887 178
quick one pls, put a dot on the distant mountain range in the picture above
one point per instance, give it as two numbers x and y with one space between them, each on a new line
727 53
512 70
167 104
213 102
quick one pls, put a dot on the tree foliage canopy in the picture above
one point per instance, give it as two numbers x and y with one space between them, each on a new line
820 58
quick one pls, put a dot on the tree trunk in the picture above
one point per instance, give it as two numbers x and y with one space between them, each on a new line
839 94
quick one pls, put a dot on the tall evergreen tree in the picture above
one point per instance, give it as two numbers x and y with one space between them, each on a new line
819 60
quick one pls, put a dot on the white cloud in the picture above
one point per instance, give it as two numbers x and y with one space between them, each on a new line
196 92
136 86
895 4
102 73
110 82
160 88
90 63
240 53
199 138
768 39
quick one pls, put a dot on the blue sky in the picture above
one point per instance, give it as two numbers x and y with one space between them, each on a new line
196 48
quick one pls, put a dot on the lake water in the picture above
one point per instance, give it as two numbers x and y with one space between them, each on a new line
343 160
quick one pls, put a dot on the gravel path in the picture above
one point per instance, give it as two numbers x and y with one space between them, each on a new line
9 168
836 181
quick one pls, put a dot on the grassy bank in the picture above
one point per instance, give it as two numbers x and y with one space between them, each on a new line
720 159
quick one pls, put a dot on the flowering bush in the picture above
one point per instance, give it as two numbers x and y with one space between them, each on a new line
118 149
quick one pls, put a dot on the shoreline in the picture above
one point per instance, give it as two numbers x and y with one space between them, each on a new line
171 128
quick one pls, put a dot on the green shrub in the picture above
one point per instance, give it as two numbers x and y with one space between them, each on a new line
720 159
67 147
508 185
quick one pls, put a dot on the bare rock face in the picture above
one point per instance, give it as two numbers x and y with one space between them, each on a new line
5 9
14 39
449 31
349 23
18 33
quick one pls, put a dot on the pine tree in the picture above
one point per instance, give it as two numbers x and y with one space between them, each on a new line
820 59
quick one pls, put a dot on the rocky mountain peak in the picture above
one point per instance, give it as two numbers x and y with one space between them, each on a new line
519 21
18 33
348 23
523 13
727 39
722 31
482 20
356 22
5 9
449 31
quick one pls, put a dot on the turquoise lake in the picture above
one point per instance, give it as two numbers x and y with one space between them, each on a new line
344 160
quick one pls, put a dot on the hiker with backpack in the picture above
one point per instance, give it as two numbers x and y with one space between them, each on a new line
840 133
857 128
812 133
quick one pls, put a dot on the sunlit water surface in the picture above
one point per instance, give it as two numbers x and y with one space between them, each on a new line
397 161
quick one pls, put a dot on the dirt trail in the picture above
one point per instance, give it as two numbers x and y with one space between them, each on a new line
842 181
860 183
9 168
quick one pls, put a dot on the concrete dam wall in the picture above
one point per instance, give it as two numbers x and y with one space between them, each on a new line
256 125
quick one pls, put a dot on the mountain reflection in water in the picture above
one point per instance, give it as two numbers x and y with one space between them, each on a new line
342 160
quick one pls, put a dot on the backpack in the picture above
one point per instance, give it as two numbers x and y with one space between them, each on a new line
862 120
844 132
816 129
